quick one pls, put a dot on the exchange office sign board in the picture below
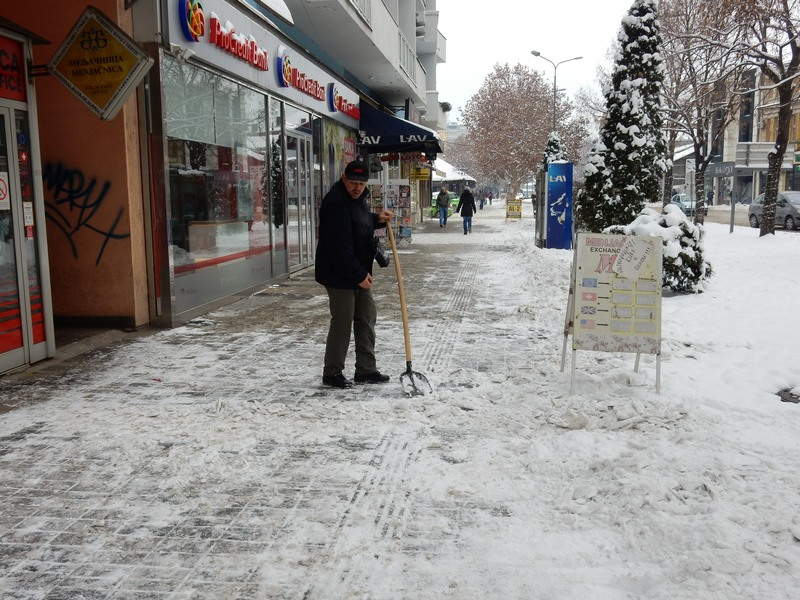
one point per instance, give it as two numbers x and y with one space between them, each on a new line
99 63
617 304
513 208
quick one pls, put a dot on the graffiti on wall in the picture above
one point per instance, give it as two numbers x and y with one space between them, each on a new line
73 201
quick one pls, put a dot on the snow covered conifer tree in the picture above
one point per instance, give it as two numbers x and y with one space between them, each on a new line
554 150
631 142
593 203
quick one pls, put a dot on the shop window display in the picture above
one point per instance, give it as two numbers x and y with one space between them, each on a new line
218 182
339 144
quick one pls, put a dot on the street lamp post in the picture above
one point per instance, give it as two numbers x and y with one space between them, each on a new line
555 71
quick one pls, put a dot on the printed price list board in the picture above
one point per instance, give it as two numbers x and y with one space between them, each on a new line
617 308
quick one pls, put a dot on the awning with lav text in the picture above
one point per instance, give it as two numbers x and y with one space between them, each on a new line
382 132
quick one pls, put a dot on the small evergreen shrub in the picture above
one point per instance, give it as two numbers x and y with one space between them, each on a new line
685 269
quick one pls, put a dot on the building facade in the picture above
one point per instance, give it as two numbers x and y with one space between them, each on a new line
747 142
207 183
744 147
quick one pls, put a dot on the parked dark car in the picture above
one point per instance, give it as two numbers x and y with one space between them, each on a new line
787 210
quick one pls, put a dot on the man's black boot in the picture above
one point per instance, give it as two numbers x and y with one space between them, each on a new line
376 377
337 381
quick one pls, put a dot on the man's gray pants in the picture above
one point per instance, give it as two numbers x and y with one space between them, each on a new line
351 310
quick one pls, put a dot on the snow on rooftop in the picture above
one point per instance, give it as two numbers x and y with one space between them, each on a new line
444 171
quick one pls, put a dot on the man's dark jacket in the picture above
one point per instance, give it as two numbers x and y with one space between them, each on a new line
466 203
346 245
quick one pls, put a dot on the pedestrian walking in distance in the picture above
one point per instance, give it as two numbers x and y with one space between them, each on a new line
466 206
443 202
344 258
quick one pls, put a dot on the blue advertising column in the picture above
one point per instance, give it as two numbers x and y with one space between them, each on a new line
559 205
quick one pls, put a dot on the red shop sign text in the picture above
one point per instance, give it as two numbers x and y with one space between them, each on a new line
12 70
244 48
289 76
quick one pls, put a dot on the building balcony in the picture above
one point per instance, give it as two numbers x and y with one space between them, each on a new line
363 8
753 155
434 117
441 47
433 42
364 37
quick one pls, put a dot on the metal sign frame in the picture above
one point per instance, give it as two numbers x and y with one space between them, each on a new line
129 83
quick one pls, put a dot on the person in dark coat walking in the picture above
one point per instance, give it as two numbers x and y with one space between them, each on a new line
344 258
443 203
466 206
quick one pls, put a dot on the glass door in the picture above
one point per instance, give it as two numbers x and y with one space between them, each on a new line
301 200
13 310
300 209
310 212
305 212
32 229
23 329
293 204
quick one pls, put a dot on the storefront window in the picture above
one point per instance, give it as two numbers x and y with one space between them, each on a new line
277 191
217 179
189 102
340 148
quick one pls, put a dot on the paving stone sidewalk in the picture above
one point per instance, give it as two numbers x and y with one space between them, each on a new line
208 462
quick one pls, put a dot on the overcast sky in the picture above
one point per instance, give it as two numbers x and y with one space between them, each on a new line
480 34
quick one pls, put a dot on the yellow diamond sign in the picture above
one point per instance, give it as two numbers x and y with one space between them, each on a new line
99 63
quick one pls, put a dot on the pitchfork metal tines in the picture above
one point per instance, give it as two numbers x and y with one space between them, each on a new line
415 383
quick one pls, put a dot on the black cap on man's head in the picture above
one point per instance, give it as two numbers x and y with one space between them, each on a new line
356 171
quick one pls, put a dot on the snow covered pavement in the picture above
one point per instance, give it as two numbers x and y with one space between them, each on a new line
207 462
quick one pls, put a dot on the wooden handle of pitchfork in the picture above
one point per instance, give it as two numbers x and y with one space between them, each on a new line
398 271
